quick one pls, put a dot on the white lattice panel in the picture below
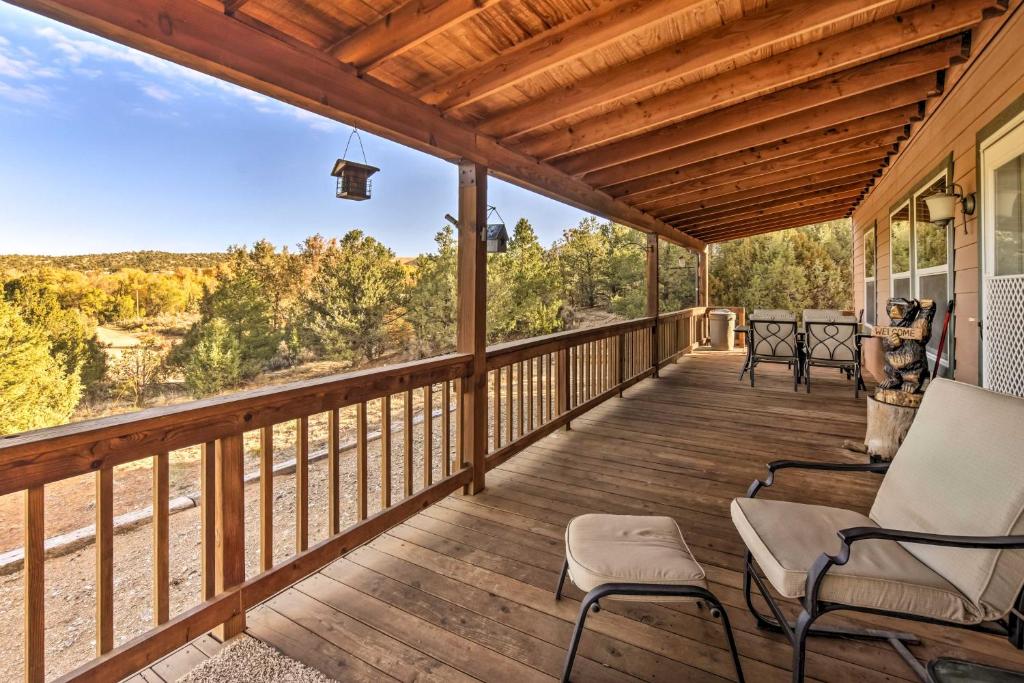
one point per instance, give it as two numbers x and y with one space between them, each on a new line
1004 334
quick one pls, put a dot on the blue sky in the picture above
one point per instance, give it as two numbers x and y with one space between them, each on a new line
103 148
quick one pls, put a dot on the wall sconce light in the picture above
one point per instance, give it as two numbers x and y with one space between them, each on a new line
942 205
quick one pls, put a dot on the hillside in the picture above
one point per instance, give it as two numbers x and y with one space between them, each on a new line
150 261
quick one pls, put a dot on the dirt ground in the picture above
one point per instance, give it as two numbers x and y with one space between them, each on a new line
70 580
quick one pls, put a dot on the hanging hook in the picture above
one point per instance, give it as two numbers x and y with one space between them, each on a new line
355 132
494 210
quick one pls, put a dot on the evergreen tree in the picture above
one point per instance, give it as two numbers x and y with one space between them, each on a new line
37 389
215 363
523 291
432 305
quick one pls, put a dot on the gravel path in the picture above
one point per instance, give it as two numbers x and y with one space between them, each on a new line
248 660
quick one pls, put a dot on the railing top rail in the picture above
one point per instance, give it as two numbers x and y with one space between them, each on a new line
47 455
502 354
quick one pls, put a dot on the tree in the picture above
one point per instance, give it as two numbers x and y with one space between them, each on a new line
677 272
37 389
625 273
354 298
523 292
582 257
432 305
137 369
215 363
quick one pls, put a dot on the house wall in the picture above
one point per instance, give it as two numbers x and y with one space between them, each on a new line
977 92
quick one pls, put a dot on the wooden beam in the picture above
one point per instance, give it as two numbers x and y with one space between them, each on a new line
232 6
471 333
204 39
403 29
569 40
760 29
890 124
822 96
807 215
703 277
789 224
763 185
832 116
653 292
872 41
775 198
808 202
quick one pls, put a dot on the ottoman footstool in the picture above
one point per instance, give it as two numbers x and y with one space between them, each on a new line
638 558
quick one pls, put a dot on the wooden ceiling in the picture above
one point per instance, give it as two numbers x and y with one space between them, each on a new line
701 120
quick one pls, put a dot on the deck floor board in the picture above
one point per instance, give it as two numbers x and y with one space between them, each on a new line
463 590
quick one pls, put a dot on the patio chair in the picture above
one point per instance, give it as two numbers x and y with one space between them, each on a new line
833 345
773 340
943 542
772 314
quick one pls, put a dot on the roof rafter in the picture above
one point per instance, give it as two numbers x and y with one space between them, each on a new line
839 185
780 222
758 30
835 114
811 203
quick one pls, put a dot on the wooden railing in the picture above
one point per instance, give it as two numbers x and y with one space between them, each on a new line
535 386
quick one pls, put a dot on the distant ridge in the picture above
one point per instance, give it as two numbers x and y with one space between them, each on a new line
151 261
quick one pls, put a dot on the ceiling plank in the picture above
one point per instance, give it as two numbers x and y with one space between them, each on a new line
774 219
568 40
762 186
819 118
200 37
795 165
758 30
753 231
403 29
811 203
819 93
838 185
890 126
862 44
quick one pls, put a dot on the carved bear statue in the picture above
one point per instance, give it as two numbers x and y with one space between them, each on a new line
906 361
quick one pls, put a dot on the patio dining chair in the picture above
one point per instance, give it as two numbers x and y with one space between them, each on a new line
773 340
943 542
833 345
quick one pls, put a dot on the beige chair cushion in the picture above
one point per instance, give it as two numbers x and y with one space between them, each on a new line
772 314
960 471
604 549
786 538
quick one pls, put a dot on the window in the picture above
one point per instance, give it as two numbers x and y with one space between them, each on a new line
899 252
869 275
932 274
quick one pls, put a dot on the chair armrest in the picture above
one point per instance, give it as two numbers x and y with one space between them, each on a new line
864 533
775 466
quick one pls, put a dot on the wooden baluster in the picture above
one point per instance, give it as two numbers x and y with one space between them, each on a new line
333 472
594 355
529 394
460 415
230 526
208 521
301 484
620 364
563 382
266 498
520 399
407 452
496 410
549 389
362 503
385 452
104 560
35 586
428 435
446 429
509 423
161 539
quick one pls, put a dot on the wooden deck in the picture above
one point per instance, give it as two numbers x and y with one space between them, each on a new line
463 591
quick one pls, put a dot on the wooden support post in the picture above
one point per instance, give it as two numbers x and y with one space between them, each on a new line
472 325
230 526
703 294
653 297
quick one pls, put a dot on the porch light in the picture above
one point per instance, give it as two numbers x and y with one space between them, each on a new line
942 205
497 235
353 178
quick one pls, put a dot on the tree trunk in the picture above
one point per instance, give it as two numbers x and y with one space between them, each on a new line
887 426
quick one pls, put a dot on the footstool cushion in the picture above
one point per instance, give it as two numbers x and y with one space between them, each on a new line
602 549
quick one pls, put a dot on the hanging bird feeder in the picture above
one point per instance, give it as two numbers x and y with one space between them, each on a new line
497 235
353 178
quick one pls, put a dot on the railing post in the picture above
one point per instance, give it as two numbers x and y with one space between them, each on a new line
471 336
653 298
230 527
620 376
703 274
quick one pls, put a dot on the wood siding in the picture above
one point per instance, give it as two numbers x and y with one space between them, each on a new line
976 93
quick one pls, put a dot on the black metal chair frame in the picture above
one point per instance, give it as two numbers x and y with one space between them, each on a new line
832 332
646 590
1011 627
780 332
